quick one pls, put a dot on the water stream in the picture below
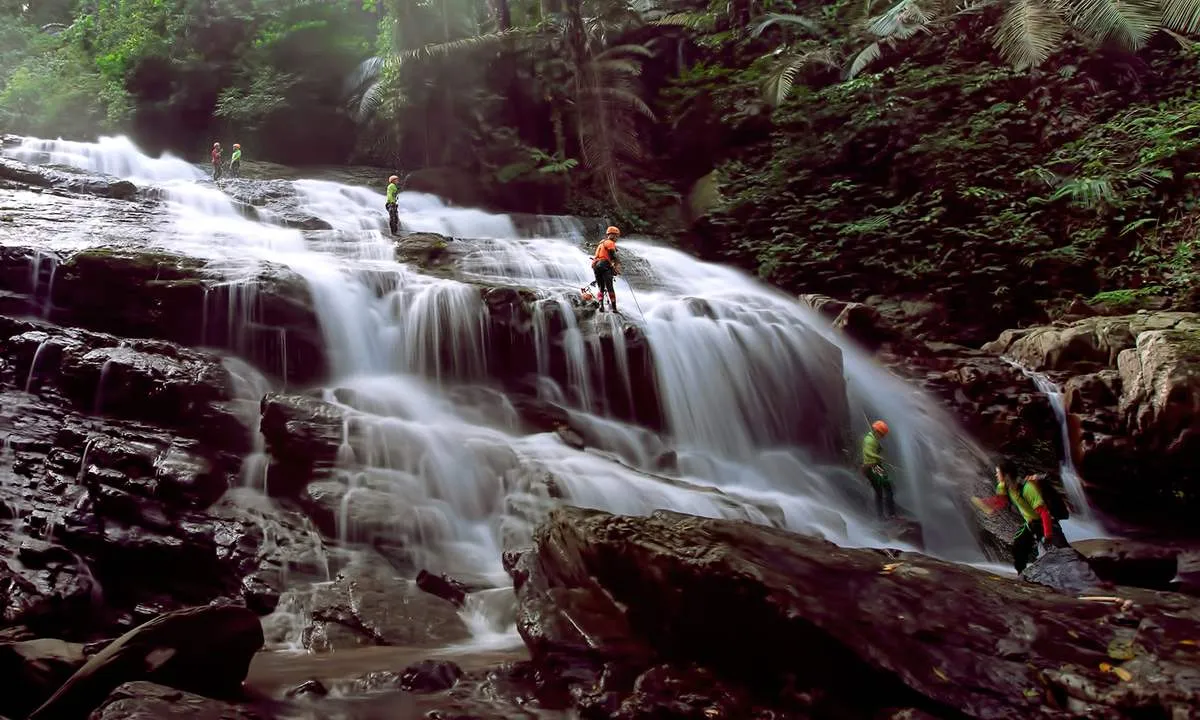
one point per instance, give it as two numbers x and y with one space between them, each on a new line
753 385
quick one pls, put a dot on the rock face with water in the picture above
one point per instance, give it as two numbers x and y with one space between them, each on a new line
1132 386
802 624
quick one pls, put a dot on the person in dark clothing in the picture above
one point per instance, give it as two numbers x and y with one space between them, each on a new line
216 161
606 267
392 204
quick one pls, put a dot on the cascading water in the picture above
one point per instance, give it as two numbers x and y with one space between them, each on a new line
757 391
1082 524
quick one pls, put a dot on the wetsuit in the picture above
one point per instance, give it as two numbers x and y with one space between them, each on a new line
216 163
875 473
604 268
393 191
235 163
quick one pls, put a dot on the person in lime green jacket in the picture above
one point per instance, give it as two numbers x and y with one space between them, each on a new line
235 161
1026 497
875 472
393 193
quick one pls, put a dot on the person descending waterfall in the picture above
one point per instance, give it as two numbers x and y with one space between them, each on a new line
606 266
874 471
393 190
235 161
1038 528
216 161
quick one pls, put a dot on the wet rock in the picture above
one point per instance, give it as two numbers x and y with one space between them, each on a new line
302 435
1065 570
861 322
430 676
48 596
852 615
1137 454
312 688
368 605
70 181
448 589
33 670
1132 563
176 649
428 251
149 701
143 293
692 692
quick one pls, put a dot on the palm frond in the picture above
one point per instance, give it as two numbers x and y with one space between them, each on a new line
865 57
771 19
780 80
1128 22
466 44
1030 32
629 98
901 21
692 21
1181 15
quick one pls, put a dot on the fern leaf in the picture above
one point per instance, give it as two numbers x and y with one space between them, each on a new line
692 21
1029 33
868 55
782 18
466 44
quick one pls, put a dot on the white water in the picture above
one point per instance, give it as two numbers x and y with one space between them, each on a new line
1082 524
740 368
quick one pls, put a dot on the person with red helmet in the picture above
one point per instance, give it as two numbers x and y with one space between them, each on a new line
393 209
216 161
874 471
606 266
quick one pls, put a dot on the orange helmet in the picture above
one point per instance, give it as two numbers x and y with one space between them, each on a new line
612 230
237 147
394 179
880 427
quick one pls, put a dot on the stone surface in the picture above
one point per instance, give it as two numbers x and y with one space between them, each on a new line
368 605
33 670
148 701
175 649
601 591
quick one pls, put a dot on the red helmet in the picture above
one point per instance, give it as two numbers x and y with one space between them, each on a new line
880 427
612 230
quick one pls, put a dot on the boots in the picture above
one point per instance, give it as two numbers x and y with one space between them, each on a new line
612 300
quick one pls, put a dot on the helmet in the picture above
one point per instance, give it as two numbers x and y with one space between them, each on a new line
216 144
237 146
880 427
612 230
393 179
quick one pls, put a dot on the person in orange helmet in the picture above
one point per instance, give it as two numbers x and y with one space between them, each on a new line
875 472
606 266
216 161
393 193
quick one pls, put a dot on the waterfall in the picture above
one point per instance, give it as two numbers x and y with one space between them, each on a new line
764 403
1082 524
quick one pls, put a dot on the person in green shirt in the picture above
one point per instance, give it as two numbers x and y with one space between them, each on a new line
393 190
1026 497
874 471
235 161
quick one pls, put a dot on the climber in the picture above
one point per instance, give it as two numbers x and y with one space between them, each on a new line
235 161
393 189
606 266
874 471
216 161
1027 498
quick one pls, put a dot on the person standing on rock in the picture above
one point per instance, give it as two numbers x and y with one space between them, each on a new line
1027 498
874 471
606 266
235 161
393 192
216 161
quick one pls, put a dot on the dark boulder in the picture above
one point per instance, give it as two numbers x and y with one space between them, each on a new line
1132 563
302 436
176 649
430 676
149 701
944 639
33 670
